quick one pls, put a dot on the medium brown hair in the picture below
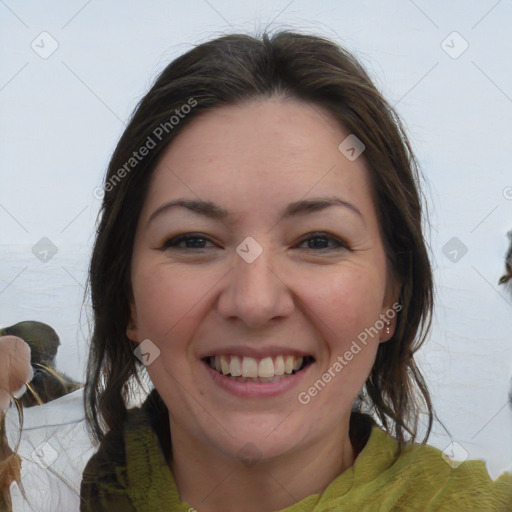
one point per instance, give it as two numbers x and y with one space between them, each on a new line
230 70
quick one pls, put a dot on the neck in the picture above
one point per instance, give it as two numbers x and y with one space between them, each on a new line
211 481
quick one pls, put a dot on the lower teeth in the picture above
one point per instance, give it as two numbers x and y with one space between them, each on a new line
257 379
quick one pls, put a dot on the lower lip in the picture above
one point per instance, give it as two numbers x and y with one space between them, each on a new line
256 389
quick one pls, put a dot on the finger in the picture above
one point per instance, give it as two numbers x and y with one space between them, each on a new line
15 368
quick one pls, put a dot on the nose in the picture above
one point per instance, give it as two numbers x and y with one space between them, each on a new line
255 293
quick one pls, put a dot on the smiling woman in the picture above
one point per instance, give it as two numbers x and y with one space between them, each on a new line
268 248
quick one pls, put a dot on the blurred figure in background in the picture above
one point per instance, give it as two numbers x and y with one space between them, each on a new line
506 279
41 449
15 369
46 384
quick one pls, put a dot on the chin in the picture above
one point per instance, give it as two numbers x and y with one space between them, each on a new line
257 437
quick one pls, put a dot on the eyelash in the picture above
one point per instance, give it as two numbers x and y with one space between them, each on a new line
172 243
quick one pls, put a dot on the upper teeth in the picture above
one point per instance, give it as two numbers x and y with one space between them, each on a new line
251 367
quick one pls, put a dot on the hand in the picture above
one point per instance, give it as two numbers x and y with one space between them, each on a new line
15 368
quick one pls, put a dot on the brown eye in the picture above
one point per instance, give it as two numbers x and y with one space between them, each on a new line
321 241
191 241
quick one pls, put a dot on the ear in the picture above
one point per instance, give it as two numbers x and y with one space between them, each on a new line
390 310
388 330
131 329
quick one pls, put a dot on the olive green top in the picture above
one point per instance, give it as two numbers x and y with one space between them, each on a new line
129 473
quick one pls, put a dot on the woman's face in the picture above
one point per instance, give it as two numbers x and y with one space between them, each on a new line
284 262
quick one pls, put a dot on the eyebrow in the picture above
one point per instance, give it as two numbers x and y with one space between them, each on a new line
216 212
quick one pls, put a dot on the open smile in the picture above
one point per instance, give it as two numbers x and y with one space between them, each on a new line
251 377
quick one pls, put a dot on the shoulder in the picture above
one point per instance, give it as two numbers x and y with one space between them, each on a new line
116 474
104 483
103 480
456 485
423 478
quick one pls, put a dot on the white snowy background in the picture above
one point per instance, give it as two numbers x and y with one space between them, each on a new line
62 114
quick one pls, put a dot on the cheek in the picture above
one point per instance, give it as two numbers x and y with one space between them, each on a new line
344 307
163 300
344 302
343 311
172 303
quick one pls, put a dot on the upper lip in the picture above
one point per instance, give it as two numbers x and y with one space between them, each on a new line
256 353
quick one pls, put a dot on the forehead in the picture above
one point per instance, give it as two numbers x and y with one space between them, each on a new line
257 153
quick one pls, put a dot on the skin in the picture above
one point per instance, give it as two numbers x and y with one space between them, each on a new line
15 368
253 160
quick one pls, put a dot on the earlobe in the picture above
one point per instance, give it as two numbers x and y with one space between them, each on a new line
131 328
389 314
131 332
388 331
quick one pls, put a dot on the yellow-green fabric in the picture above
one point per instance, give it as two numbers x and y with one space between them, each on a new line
140 480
